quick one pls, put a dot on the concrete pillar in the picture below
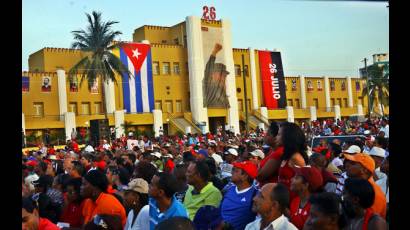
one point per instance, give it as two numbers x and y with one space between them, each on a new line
233 115
253 79
313 116
23 126
69 124
157 121
337 112
349 92
188 130
109 96
196 69
62 92
327 92
303 92
360 109
291 116
119 121
264 112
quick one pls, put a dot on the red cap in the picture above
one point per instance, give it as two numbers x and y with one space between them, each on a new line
31 163
312 175
247 166
100 164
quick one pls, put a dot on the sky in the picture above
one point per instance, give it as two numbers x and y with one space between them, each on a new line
315 38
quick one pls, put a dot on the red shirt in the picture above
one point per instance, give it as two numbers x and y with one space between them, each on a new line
45 224
273 154
298 216
72 214
285 175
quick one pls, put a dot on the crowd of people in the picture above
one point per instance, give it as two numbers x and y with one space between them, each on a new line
261 180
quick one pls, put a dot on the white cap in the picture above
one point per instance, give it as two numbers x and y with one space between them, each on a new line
130 134
378 152
52 157
232 151
233 146
168 155
258 153
212 142
167 145
366 132
353 149
157 154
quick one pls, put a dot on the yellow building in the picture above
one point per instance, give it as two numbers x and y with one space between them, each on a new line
178 63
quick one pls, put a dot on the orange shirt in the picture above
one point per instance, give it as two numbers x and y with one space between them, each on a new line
105 204
379 206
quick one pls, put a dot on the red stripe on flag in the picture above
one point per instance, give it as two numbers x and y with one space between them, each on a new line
265 60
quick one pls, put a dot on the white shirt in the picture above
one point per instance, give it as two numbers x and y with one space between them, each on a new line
142 221
30 178
385 188
337 162
106 146
281 223
218 159
385 130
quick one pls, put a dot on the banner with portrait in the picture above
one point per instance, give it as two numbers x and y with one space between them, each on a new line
94 87
215 74
273 79
46 84
25 84
74 84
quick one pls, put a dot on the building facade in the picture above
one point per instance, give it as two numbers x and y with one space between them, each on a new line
179 60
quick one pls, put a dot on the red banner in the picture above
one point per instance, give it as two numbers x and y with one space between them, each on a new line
273 85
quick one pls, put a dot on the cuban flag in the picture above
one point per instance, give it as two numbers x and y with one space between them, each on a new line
138 91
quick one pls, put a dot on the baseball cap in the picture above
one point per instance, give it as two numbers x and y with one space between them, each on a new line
156 154
365 160
232 151
100 164
312 175
258 153
32 163
212 142
203 152
138 185
353 149
248 167
377 151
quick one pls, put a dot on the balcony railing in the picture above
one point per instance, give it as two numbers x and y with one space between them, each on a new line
45 117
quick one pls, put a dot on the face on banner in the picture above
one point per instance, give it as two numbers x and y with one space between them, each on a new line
215 75
94 87
25 84
273 79
74 84
46 84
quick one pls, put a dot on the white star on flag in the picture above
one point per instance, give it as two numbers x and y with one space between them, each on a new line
136 53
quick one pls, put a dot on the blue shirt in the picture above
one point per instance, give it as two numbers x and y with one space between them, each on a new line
156 217
236 208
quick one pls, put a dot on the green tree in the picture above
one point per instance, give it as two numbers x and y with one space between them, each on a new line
97 42
377 86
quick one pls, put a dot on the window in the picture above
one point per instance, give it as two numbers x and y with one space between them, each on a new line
345 102
158 105
155 68
178 106
97 107
72 107
240 105
290 102
294 87
332 85
319 85
316 102
85 108
168 106
297 104
165 68
246 70
38 109
332 102
237 70
309 85
343 86
176 68
339 102
357 86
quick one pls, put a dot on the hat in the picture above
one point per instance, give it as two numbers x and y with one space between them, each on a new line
207 217
130 134
212 142
138 185
219 67
365 160
233 146
232 151
203 152
52 157
366 132
248 167
32 163
100 164
43 181
378 152
167 145
353 149
312 175
168 155
156 154
258 153
97 179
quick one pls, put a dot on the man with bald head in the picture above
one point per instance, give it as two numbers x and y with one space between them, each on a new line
270 204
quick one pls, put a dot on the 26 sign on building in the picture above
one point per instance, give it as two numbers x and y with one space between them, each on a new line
208 13
273 79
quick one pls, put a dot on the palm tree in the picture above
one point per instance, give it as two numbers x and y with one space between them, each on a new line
377 87
96 42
